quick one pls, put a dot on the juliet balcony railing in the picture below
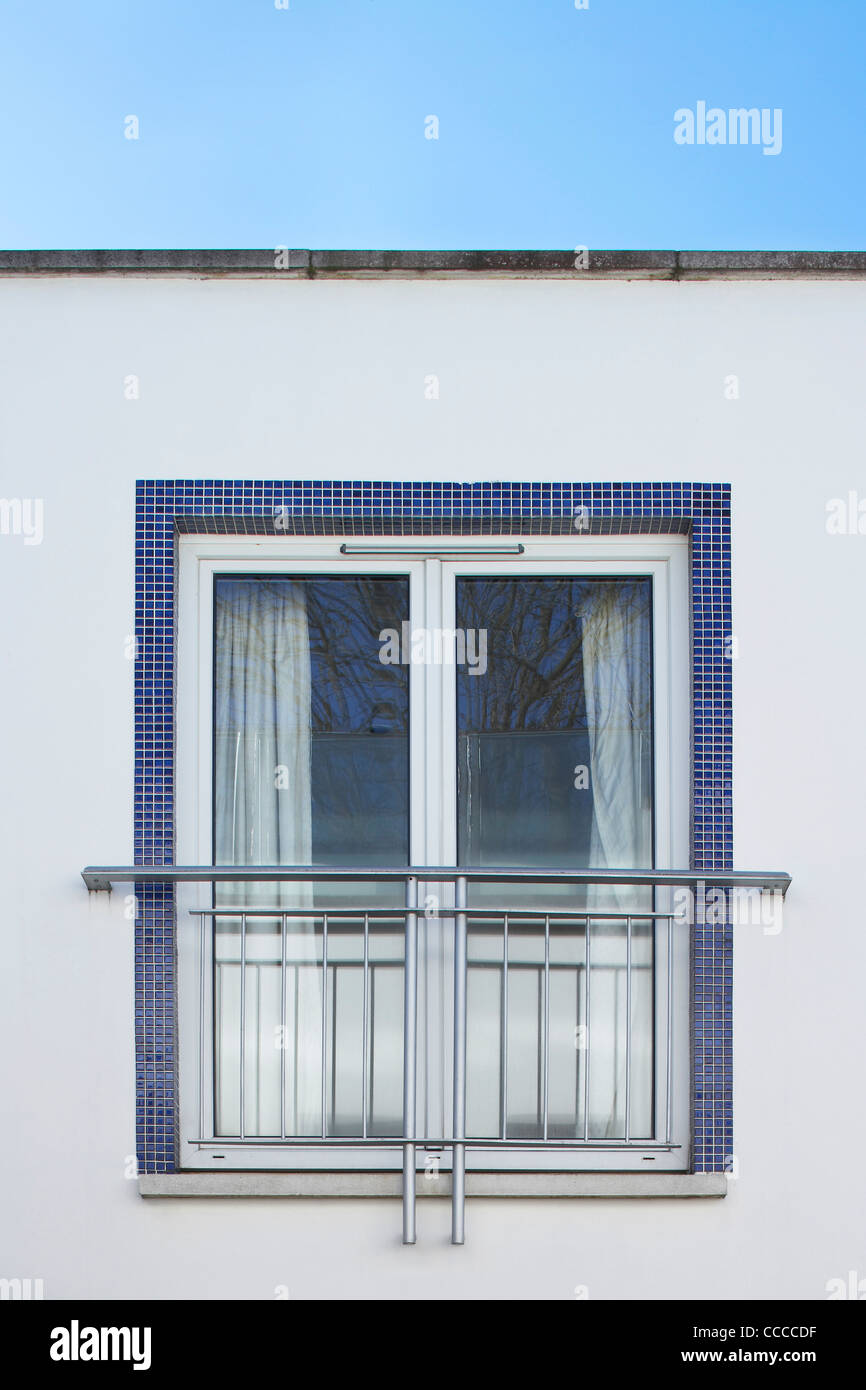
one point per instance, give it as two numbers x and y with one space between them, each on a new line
582 949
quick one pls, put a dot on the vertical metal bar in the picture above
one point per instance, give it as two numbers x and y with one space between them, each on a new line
578 1074
364 1025
372 1080
216 1087
258 1052
627 1029
410 1041
669 1040
503 1100
586 1038
324 1025
546 1038
201 1002
458 1162
283 929
296 973
243 1013
538 977
335 1010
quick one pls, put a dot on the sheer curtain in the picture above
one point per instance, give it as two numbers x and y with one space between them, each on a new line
263 784
263 815
617 684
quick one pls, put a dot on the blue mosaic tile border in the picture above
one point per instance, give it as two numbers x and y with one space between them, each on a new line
165 508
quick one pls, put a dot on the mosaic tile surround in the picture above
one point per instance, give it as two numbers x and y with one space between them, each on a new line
166 508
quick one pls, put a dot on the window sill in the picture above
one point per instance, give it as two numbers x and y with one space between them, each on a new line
330 1184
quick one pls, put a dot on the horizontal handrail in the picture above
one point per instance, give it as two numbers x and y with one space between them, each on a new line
398 914
373 1141
99 878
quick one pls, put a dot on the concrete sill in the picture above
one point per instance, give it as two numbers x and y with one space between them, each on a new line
320 1184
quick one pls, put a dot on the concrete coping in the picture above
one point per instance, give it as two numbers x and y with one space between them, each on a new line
575 264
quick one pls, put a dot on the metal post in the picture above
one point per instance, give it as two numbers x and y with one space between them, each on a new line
627 1029
546 1042
365 1025
586 1038
324 1025
458 1162
410 1041
201 1034
283 930
670 1028
243 1014
503 1119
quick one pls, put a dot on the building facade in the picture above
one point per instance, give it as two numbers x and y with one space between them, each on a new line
502 589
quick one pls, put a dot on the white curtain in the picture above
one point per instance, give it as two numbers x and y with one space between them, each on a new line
263 807
616 666
263 815
616 653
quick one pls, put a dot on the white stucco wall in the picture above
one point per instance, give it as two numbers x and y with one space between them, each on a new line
557 380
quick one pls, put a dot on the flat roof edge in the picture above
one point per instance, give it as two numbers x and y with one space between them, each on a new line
574 264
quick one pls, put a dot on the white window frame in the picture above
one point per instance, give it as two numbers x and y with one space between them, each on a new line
433 837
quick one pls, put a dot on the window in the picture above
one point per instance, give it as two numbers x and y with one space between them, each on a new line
468 710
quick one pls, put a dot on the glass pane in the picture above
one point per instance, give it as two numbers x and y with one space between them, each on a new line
555 735
310 767
555 771
311 727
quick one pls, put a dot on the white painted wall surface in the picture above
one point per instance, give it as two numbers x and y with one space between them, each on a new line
559 380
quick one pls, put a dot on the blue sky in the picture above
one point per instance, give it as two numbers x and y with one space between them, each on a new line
305 127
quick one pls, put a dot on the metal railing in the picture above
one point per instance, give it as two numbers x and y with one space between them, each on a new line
543 923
